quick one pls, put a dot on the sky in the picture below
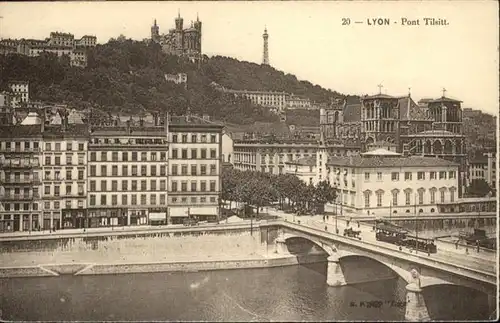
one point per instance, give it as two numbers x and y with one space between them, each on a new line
307 39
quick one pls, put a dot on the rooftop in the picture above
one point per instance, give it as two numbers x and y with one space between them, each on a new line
389 161
380 152
20 131
444 99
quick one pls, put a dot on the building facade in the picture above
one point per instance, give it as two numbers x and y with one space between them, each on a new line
195 166
20 178
127 175
382 182
64 164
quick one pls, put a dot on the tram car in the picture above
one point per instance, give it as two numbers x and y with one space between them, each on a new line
399 236
421 244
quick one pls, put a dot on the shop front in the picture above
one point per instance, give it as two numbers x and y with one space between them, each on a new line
158 216
205 213
109 217
74 218
177 215
138 217
6 223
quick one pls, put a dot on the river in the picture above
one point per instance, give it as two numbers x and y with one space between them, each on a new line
294 293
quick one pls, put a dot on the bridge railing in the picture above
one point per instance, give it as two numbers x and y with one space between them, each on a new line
487 276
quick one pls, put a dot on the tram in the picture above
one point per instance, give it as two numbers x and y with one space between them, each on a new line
387 232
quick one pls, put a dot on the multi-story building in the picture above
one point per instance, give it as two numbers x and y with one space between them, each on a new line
127 175
297 102
380 181
478 168
179 78
277 100
20 178
58 43
180 41
20 92
195 166
64 175
272 156
6 108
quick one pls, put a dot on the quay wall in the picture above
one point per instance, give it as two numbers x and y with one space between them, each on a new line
123 251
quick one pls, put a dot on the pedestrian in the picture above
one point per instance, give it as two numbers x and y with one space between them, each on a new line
477 243
327 217
358 224
324 218
326 228
348 222
456 245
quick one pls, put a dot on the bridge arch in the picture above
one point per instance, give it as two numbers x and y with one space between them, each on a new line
398 272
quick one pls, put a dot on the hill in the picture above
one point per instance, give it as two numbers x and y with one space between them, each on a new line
126 76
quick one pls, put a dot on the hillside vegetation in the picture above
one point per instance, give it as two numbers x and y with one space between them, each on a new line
128 77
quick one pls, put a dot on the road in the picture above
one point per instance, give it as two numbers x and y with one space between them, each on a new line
479 261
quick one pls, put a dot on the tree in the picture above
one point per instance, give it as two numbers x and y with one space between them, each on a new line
478 188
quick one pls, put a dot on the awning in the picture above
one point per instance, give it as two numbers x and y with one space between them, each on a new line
178 212
157 216
207 210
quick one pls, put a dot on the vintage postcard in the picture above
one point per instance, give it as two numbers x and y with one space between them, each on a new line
249 161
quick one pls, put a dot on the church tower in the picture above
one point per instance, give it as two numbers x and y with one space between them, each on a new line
155 32
197 26
179 34
265 56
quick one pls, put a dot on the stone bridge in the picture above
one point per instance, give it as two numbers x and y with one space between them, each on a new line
416 270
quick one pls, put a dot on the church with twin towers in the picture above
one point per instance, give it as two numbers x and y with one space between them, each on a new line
180 41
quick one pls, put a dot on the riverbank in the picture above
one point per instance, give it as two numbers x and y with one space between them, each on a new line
193 265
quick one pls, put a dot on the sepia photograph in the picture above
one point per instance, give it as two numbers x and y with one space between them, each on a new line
249 161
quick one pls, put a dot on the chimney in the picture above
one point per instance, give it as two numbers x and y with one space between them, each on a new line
128 126
166 121
155 117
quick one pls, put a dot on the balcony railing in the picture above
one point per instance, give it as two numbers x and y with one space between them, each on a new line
13 164
19 197
20 150
14 181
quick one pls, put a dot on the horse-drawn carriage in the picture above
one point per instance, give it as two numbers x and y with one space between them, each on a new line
350 232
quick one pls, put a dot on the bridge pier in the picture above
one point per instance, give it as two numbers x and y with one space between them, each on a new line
281 247
416 309
335 275
492 303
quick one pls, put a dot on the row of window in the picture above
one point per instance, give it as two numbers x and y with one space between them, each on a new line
69 146
408 198
194 186
134 156
67 175
69 160
56 191
183 138
421 176
142 200
135 185
57 205
193 154
154 170
20 207
194 169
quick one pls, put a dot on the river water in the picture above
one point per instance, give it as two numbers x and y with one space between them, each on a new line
293 293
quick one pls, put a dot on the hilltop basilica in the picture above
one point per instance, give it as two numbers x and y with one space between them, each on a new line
179 41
